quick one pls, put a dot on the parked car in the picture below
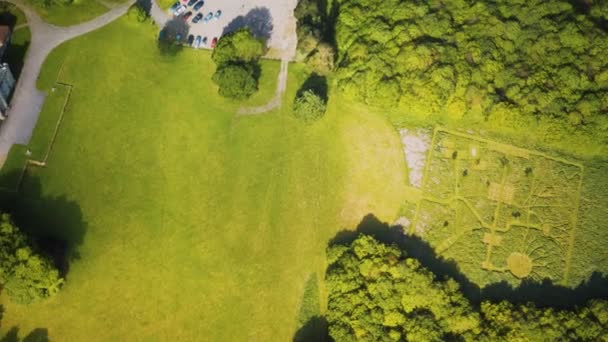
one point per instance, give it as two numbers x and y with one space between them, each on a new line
174 6
218 14
197 42
190 39
213 42
185 1
198 5
187 15
197 18
204 41
181 9
191 2
208 17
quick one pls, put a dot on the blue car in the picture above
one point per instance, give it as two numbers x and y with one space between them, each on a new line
208 17
218 14
191 2
197 42
198 5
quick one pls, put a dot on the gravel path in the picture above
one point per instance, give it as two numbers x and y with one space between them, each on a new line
27 99
278 96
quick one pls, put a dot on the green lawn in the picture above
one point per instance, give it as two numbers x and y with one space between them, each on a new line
78 12
191 223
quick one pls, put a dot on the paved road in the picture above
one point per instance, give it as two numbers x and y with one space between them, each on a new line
27 99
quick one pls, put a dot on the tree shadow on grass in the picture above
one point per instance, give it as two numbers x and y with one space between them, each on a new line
36 335
316 83
314 330
542 294
172 37
55 224
258 20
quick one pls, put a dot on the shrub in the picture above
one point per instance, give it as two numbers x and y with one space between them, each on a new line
236 81
309 106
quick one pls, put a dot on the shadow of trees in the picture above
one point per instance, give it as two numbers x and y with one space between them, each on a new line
55 224
145 5
258 20
172 37
317 83
542 294
316 329
36 335
7 18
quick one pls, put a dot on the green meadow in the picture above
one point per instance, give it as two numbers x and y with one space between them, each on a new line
186 221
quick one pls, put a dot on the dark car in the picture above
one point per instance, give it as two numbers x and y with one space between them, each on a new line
213 42
191 2
190 39
198 5
197 18
204 41
218 14
187 15
174 6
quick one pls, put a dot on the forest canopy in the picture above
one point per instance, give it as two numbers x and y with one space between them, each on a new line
500 58
377 293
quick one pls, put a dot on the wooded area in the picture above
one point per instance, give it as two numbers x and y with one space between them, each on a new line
506 60
377 293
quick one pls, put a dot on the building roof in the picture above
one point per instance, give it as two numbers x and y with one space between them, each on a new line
5 31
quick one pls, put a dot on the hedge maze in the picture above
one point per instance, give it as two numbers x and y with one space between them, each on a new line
501 212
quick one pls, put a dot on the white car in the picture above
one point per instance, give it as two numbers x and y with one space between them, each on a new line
181 9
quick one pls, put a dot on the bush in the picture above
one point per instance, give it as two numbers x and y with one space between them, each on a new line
25 275
236 81
309 106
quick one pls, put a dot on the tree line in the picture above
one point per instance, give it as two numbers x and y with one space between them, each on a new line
482 59
377 293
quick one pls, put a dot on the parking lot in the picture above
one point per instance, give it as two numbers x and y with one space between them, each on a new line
270 19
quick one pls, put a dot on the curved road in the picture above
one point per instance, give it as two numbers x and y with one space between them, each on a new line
27 99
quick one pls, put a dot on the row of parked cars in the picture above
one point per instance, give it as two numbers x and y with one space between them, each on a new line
181 10
201 41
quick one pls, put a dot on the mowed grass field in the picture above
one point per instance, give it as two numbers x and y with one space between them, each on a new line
78 12
190 223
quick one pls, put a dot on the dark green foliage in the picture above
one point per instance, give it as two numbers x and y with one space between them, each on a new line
502 60
236 81
377 294
49 3
25 275
236 56
238 46
315 30
140 10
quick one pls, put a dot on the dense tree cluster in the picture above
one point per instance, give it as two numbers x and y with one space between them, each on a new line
377 294
498 58
236 56
26 276
314 30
